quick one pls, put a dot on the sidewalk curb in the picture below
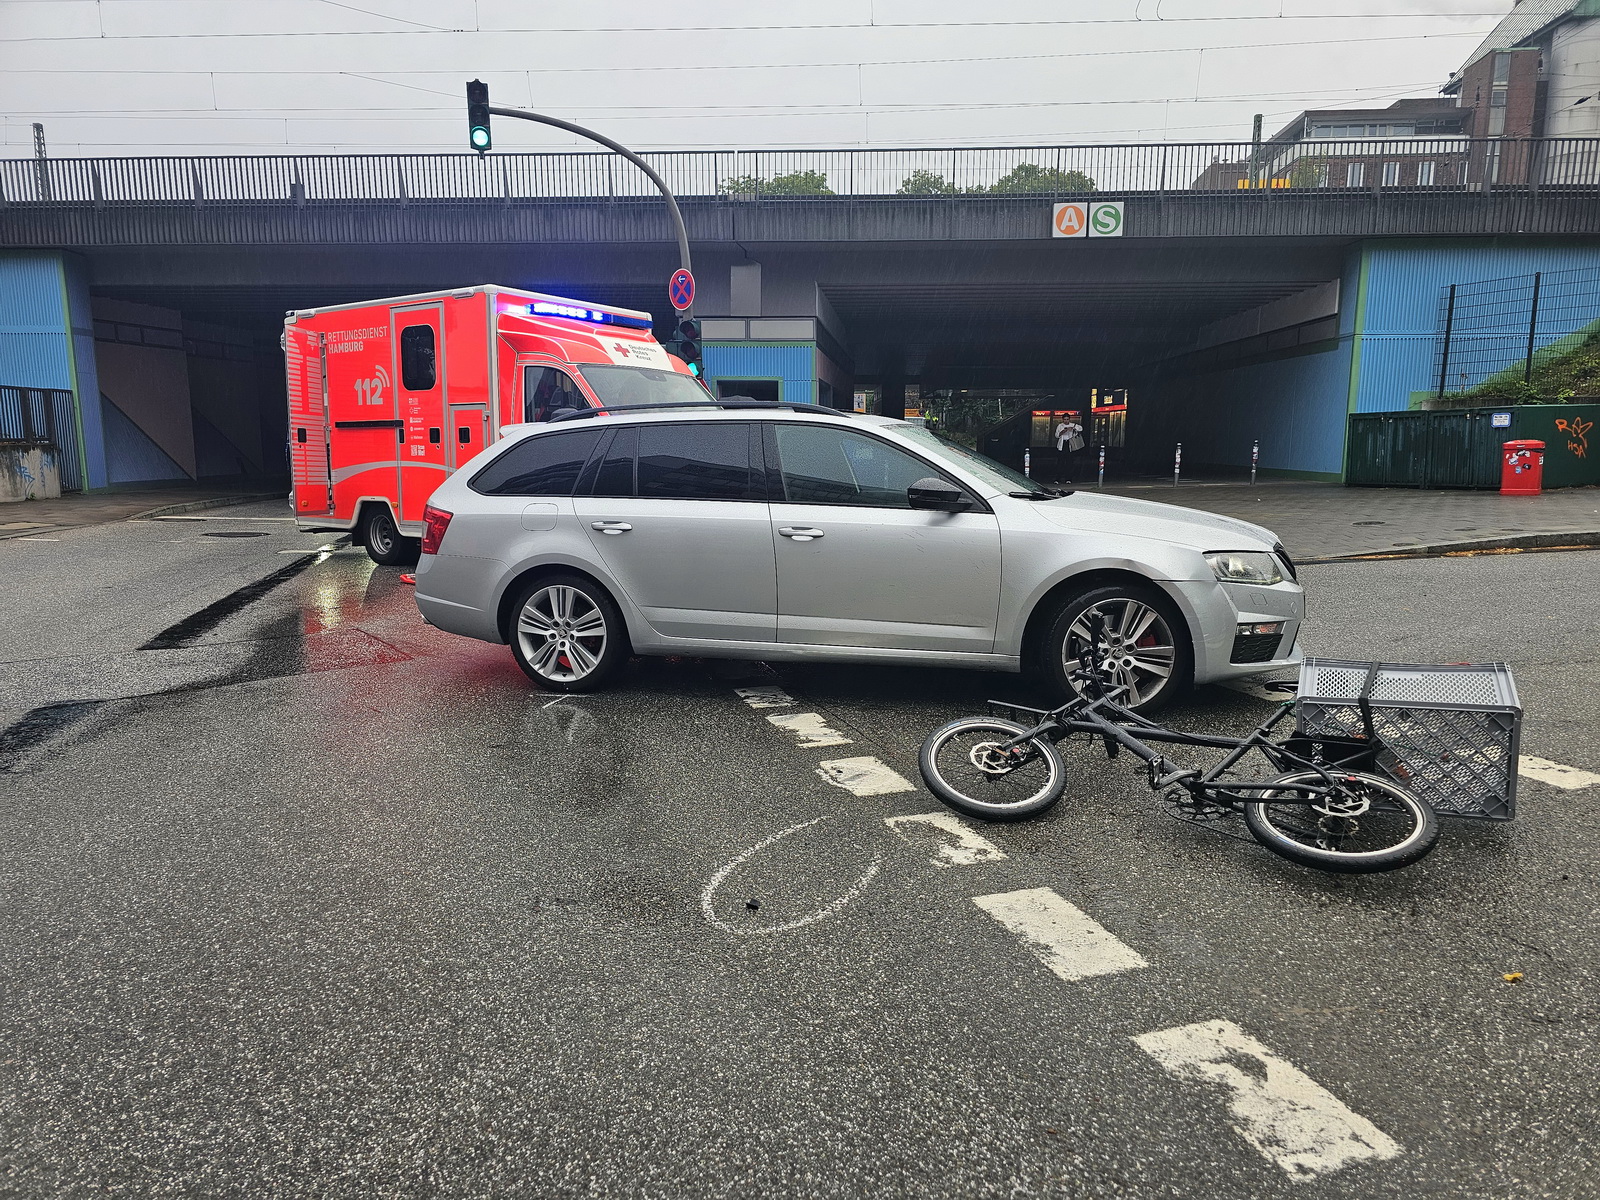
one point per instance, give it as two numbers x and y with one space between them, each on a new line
1515 543
171 510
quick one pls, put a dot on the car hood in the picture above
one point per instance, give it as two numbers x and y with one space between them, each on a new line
1097 513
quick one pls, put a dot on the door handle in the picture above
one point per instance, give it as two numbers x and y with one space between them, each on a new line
800 533
612 527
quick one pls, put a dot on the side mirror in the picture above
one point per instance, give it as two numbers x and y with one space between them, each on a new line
938 494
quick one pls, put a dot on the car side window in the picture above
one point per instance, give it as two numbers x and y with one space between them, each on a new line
820 465
547 391
705 461
547 465
615 476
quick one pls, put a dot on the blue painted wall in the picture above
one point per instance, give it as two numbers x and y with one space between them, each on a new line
794 363
1400 329
33 334
41 295
1297 407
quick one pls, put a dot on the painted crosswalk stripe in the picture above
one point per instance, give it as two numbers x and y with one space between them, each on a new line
764 697
1554 773
954 843
811 729
1291 1119
1062 937
864 777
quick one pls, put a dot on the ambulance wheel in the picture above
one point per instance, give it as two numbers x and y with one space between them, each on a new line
385 544
567 634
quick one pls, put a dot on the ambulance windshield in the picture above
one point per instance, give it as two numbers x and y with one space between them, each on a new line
626 387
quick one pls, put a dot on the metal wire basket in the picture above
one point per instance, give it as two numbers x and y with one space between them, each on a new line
1449 733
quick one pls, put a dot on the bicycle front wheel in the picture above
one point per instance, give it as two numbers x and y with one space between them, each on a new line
1365 824
966 764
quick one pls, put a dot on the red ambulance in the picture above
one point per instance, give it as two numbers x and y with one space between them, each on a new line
387 398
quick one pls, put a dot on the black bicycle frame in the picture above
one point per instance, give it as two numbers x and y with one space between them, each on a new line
1131 731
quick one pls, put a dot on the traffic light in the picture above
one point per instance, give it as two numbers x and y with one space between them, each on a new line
689 344
478 116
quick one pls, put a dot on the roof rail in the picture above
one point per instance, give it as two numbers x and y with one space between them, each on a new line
727 402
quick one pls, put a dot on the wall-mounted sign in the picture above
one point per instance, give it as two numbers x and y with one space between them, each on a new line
860 402
1097 218
1105 218
1070 219
1499 420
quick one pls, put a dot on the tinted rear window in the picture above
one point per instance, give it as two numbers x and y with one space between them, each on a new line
709 461
547 465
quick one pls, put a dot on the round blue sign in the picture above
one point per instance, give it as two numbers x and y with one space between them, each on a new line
680 289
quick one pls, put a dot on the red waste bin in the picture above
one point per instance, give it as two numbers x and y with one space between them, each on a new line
1521 468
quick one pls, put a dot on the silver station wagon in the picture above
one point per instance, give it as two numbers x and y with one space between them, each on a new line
797 532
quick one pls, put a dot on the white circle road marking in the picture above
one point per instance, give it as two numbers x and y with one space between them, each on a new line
827 910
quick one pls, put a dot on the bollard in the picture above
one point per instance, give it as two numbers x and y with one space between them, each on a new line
1027 462
1177 464
1255 455
1102 482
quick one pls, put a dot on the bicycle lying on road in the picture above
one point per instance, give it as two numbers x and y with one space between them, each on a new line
1323 807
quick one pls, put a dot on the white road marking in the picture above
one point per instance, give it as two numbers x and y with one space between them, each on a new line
954 842
1554 773
811 730
1274 690
765 697
35 539
1062 937
864 776
1289 1117
552 703
827 910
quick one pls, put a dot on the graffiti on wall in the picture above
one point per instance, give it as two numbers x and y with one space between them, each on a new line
1577 431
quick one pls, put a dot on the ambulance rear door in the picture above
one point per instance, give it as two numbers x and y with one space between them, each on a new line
308 422
419 354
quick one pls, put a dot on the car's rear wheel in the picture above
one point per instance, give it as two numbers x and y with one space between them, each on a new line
567 634
385 543
1145 647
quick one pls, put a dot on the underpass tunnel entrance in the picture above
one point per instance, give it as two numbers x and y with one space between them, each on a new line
1128 361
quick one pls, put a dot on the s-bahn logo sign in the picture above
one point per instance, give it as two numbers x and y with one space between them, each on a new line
1095 218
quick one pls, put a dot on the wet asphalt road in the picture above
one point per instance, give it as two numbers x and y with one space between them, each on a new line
306 898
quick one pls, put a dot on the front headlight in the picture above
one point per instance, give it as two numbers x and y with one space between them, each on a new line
1245 566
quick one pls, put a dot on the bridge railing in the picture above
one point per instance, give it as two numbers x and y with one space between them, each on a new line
1363 165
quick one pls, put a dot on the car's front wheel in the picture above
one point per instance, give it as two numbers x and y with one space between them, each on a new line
1144 646
567 634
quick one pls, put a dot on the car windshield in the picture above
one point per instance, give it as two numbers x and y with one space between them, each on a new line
1001 478
629 387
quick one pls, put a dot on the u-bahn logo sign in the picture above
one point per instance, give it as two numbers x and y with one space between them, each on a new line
1097 218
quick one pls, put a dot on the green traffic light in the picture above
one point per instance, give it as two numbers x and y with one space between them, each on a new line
480 137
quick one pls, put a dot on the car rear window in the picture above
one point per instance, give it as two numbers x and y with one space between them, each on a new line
546 465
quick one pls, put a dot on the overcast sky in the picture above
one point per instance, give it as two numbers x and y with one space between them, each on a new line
122 77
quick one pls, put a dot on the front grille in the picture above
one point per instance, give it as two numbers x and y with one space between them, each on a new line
1255 647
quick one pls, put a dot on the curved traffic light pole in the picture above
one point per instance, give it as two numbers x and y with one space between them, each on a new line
619 148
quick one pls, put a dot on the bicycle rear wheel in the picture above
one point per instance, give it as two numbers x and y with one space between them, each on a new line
1366 824
965 766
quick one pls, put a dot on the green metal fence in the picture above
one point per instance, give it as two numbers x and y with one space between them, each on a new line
1461 448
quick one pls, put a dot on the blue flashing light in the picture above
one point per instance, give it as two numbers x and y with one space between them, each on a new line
575 312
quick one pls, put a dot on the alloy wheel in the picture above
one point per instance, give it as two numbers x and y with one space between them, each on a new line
1137 650
562 633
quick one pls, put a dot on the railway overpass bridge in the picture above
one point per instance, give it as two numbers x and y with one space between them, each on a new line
1226 313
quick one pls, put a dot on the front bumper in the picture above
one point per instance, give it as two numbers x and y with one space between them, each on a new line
1220 609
